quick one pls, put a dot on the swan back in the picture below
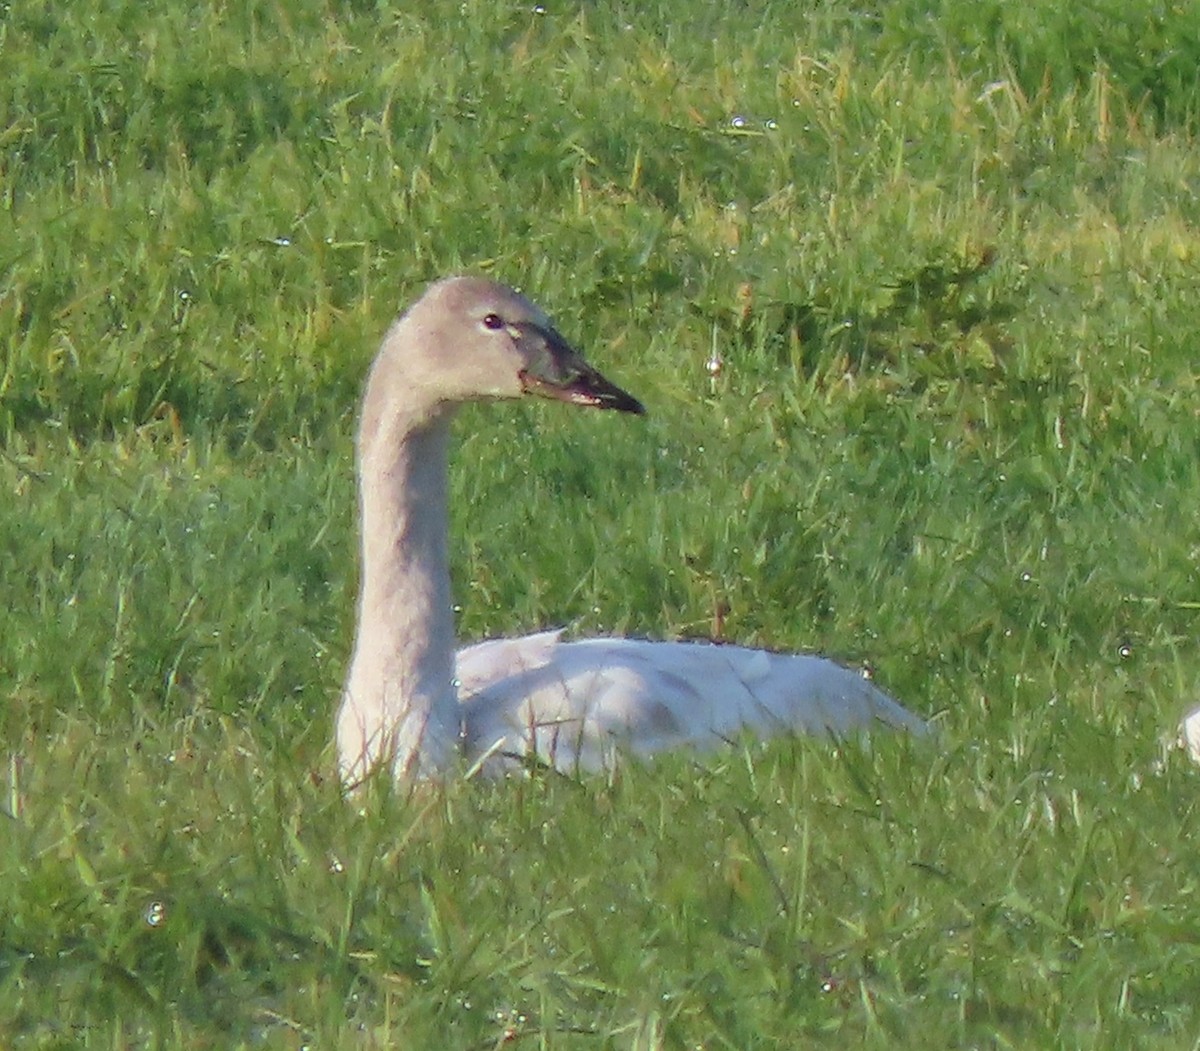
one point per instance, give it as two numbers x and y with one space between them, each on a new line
580 705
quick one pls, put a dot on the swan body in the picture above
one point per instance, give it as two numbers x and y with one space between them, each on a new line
411 703
581 704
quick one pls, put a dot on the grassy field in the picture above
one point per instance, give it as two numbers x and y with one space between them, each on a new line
948 258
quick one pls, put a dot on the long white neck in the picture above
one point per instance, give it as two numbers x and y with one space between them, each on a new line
400 704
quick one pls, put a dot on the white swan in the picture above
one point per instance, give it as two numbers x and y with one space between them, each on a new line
574 704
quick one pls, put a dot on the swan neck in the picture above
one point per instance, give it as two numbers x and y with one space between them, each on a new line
400 704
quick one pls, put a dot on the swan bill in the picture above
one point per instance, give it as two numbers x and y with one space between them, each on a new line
557 370
590 389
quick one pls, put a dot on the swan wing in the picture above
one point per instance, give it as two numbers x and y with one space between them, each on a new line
484 664
576 704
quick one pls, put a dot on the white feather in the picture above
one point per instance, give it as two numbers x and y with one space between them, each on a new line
580 704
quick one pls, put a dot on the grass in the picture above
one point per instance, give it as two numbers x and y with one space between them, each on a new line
948 265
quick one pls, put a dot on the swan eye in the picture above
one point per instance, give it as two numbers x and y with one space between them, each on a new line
493 321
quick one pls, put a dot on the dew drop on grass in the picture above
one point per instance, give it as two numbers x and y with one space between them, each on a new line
771 124
156 914
738 121
1125 651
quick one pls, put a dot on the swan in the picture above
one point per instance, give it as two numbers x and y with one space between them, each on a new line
410 703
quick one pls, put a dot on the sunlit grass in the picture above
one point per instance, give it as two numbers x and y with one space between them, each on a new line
911 297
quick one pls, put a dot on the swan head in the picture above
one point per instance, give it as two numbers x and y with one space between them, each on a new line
468 339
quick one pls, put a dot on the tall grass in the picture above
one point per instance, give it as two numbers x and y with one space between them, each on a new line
947 263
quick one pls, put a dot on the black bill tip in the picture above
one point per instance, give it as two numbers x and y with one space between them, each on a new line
556 370
584 387
596 391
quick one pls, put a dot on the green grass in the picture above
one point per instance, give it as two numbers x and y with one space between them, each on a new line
949 263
